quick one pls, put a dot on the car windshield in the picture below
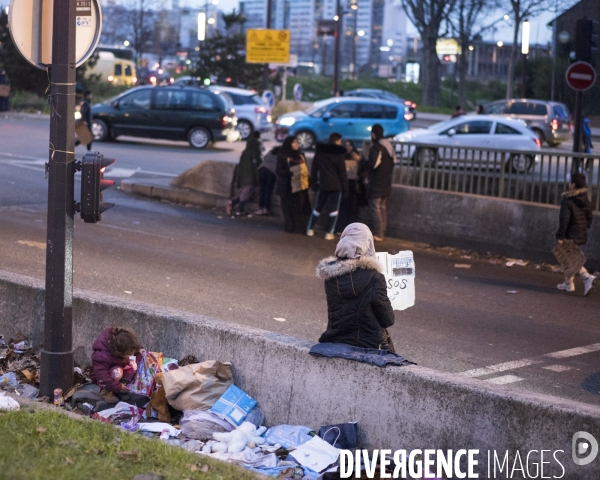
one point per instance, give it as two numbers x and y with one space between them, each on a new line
441 125
317 109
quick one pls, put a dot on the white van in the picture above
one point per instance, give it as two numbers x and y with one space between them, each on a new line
117 71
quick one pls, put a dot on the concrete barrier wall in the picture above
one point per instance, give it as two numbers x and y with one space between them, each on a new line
396 408
502 227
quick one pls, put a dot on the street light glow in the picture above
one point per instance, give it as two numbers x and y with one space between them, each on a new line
471 48
525 35
390 42
126 43
500 43
201 26
336 18
211 21
354 6
506 16
361 33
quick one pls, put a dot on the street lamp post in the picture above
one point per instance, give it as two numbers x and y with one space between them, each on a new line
336 57
354 7
525 35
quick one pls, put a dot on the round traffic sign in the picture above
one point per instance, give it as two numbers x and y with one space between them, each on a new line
30 25
268 98
580 76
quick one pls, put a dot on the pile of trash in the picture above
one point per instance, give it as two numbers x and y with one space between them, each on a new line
191 405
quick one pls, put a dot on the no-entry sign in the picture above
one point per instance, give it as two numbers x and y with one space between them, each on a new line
581 76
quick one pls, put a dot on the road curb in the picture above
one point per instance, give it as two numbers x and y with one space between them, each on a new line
26 116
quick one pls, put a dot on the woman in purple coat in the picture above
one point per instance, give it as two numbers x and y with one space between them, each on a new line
112 350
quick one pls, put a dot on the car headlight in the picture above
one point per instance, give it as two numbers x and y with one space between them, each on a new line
287 121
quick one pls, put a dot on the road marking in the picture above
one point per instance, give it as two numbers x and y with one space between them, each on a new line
558 368
27 166
501 367
572 352
119 172
505 380
40 245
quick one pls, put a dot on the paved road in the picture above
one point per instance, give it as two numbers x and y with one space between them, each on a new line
248 271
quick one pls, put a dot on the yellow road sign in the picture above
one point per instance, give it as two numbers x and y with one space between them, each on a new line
267 46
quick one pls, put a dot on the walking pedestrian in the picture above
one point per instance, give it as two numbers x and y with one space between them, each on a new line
587 136
246 175
4 90
380 167
328 177
266 180
349 205
575 219
458 111
86 116
358 308
480 110
292 186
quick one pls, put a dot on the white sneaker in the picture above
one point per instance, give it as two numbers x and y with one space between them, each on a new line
588 284
310 233
567 286
329 236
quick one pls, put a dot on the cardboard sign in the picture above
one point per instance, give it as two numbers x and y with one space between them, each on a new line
570 257
4 90
83 133
399 271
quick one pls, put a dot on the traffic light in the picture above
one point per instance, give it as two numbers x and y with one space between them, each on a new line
92 185
586 41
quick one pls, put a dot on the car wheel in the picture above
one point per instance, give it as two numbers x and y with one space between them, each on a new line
539 134
100 130
429 156
554 144
519 163
306 140
245 128
199 137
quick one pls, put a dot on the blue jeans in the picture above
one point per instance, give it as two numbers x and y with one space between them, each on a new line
372 356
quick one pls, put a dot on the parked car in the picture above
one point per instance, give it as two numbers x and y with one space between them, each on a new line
350 117
173 113
471 132
551 121
251 112
384 95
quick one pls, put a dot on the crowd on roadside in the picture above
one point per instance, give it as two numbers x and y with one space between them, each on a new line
341 178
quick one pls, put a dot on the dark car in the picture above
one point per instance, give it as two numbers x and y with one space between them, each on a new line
146 76
384 95
551 121
172 113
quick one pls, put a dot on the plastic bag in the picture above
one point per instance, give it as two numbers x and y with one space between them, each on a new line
316 454
200 425
143 382
7 403
342 435
288 436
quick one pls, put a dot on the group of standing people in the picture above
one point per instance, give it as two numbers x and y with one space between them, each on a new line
341 178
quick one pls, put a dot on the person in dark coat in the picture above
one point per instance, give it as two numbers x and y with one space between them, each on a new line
245 177
358 308
329 178
112 349
295 203
574 221
349 205
4 99
380 167
86 114
267 179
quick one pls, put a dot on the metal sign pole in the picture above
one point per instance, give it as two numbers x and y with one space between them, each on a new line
578 127
57 355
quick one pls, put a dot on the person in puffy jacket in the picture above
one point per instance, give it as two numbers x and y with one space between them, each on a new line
574 221
112 350
358 308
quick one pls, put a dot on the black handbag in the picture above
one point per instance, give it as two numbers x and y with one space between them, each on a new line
343 435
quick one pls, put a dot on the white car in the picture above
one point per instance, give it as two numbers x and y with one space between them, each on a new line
251 112
460 137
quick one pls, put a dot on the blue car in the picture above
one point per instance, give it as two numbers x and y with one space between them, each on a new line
350 117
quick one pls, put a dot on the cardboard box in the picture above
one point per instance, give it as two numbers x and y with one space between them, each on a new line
4 90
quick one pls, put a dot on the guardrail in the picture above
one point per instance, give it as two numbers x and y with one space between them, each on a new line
538 176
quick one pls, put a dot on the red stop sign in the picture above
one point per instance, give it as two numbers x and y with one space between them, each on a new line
580 76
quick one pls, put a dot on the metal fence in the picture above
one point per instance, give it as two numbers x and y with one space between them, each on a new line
532 176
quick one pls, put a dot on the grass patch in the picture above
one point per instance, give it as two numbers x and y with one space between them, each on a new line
43 444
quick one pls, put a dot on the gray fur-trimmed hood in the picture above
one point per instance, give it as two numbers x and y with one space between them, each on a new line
332 267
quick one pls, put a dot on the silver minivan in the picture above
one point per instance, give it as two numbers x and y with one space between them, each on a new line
551 121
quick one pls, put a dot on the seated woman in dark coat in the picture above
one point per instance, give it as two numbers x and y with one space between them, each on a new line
359 310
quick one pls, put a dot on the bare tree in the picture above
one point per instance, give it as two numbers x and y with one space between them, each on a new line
519 10
428 16
465 22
